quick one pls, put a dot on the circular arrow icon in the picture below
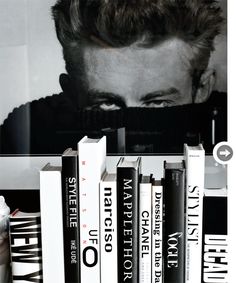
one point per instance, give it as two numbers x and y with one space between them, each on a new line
223 152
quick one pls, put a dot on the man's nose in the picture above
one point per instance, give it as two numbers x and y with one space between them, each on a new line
131 102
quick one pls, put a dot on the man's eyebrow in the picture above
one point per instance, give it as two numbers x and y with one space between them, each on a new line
160 93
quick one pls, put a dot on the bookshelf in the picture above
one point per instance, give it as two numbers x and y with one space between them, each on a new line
22 172
19 175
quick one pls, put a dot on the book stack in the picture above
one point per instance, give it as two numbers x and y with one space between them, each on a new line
123 226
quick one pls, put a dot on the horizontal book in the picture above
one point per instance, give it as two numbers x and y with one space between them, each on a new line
26 247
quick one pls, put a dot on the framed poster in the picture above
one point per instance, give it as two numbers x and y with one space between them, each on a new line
150 75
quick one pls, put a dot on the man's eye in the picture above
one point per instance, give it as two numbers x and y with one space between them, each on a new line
106 106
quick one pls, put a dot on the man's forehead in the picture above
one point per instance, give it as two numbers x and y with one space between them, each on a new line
136 69
137 56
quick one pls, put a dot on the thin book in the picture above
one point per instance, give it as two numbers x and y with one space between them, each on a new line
128 172
92 166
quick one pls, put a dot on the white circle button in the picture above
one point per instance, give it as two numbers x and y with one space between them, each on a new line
223 152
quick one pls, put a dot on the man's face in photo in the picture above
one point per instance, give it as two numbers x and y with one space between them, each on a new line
139 76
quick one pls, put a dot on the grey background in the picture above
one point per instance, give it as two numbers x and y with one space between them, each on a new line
31 57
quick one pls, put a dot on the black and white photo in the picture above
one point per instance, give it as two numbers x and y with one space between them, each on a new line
154 68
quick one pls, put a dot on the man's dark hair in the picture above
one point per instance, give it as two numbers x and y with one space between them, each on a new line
119 23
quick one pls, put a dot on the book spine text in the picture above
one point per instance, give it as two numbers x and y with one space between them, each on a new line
127 221
174 236
145 235
108 229
26 249
157 230
70 207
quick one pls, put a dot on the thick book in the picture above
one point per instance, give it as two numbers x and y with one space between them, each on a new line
70 209
26 247
215 237
157 231
145 229
52 226
108 228
92 157
195 172
128 219
174 233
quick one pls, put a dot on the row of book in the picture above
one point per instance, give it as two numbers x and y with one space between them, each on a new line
122 226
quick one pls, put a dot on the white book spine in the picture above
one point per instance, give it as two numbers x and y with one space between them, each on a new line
92 157
52 227
108 231
145 234
157 232
195 164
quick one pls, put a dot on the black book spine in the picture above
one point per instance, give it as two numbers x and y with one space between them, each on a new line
127 223
70 208
174 228
215 240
